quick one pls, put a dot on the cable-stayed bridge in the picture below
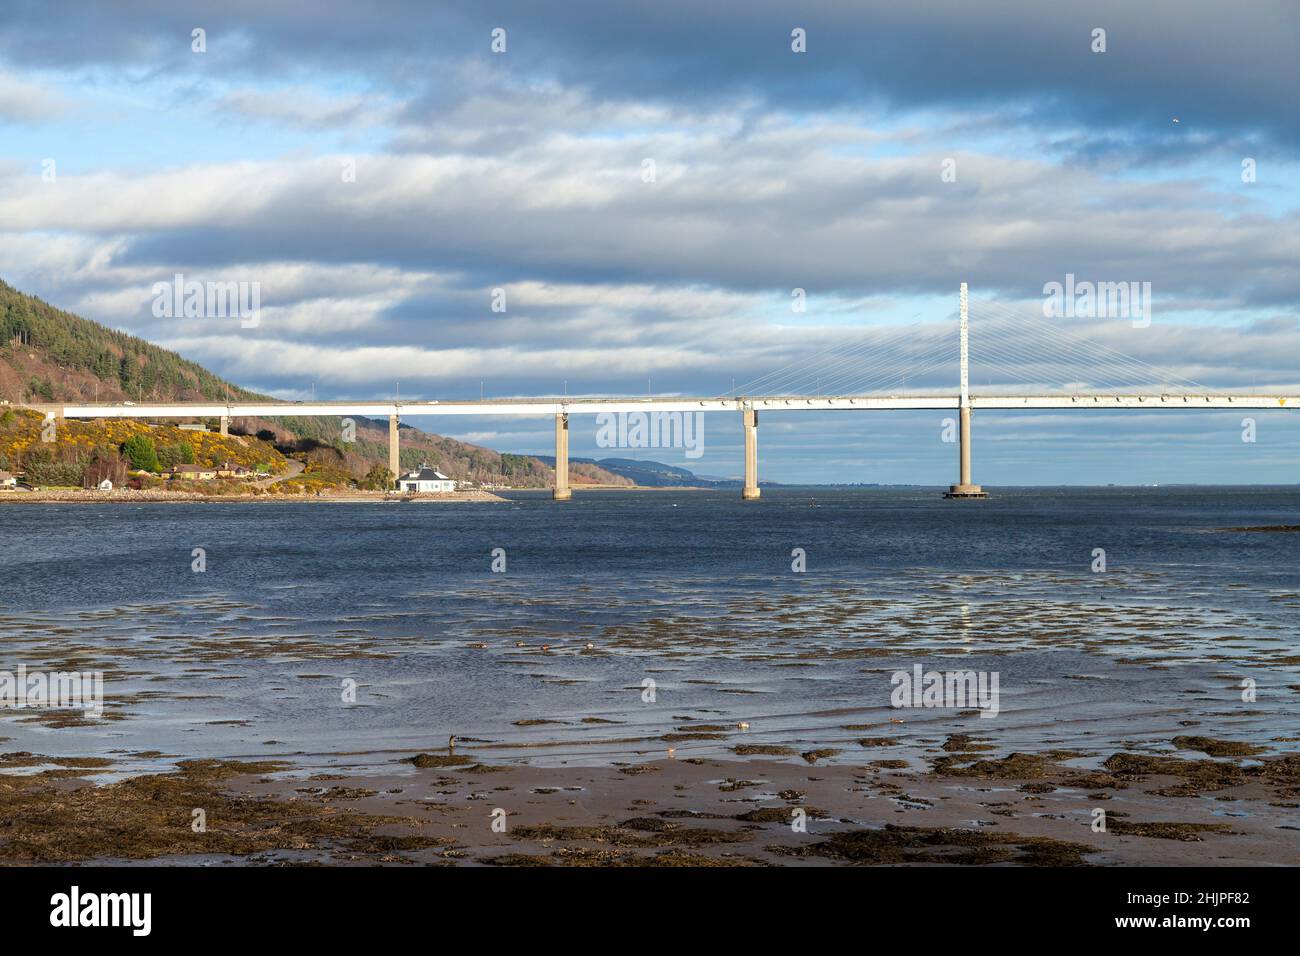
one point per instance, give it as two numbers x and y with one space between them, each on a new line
1037 364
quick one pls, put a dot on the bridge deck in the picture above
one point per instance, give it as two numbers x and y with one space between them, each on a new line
581 406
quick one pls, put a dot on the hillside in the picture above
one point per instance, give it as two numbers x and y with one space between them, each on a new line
48 354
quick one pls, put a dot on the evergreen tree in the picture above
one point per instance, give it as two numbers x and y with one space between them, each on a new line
140 451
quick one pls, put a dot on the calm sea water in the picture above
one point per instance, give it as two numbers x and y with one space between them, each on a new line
692 591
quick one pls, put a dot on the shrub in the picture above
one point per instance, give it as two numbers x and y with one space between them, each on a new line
40 467
378 478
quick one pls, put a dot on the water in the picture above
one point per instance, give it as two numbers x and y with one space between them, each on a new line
693 591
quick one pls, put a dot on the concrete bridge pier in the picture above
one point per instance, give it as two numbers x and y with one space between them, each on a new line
225 425
749 418
562 491
394 463
964 488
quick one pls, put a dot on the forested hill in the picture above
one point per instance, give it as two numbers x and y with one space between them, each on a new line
48 354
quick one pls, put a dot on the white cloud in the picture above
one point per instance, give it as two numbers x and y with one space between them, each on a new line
24 101
305 107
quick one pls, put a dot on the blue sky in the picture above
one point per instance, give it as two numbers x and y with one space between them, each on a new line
775 170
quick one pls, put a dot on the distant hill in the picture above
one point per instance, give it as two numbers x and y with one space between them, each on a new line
48 354
652 474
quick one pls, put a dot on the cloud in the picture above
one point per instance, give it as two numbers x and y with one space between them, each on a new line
776 211
302 107
610 279
1221 69
24 102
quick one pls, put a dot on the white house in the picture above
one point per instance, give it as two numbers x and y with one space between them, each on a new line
105 485
426 479
7 480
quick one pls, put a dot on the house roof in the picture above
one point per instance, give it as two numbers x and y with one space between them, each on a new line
5 476
192 468
425 473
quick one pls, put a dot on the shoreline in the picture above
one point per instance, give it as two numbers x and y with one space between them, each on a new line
124 496
91 496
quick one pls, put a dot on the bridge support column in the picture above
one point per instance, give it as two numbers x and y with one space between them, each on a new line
394 459
562 491
749 418
225 425
964 488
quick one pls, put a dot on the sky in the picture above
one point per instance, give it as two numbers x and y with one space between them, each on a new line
639 188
